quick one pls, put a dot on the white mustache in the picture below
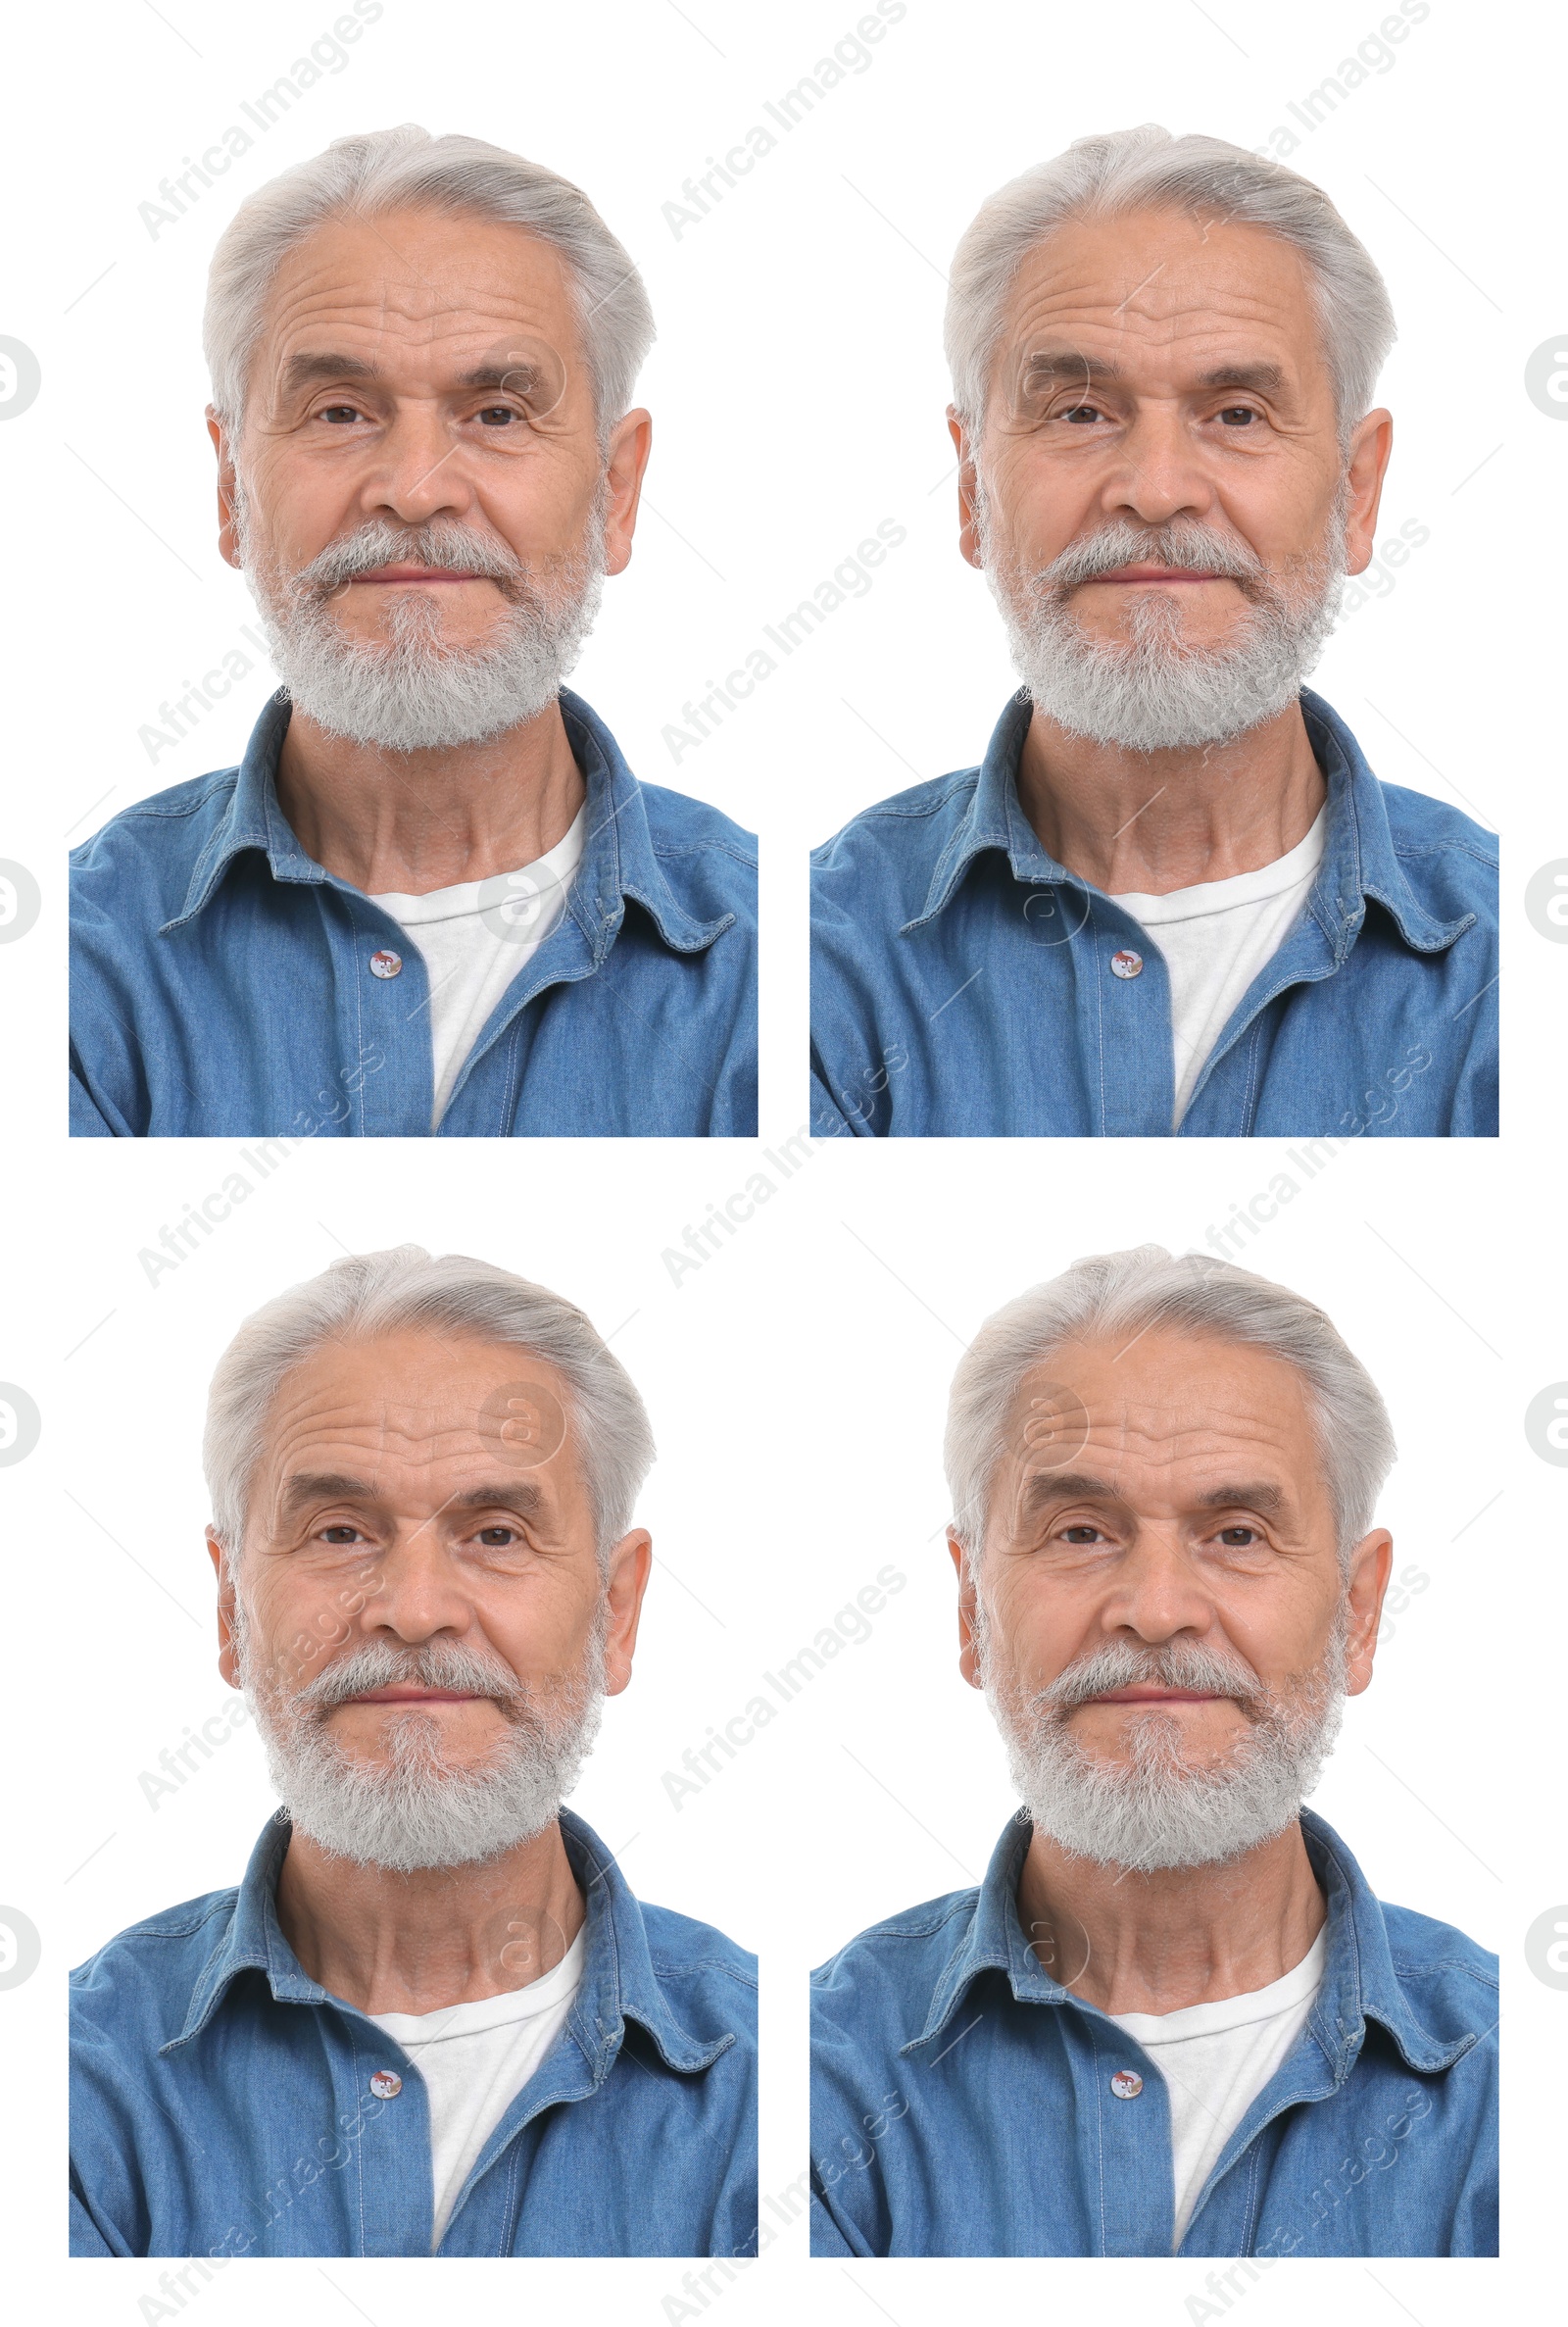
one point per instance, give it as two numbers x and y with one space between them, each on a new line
437 1665
1186 543
445 543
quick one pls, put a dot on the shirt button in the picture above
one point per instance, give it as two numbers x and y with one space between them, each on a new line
1126 964
387 2084
1126 2084
387 964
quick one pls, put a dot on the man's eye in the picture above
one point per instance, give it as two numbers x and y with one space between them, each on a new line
497 1539
1081 1532
340 1532
339 414
1237 415
1239 1539
498 416
1081 413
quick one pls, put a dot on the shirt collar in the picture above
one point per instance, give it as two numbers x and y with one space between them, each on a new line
1358 854
620 1980
1359 1979
618 858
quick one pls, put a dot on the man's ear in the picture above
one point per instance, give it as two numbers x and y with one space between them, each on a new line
968 529
227 1652
1371 1564
968 1649
1370 447
227 487
631 1563
624 469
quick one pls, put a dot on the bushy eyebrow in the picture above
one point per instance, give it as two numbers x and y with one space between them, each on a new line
1045 1487
321 1486
306 1487
306 370
303 370
1044 365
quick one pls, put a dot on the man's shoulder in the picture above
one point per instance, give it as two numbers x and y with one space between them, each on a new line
875 1970
917 819
1423 1949
706 860
682 1948
1419 822
679 823
155 841
142 1966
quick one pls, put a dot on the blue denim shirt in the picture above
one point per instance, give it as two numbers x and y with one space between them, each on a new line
961 982
221 2102
222 981
962 2104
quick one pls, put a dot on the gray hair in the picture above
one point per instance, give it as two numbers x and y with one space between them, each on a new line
405 1290
1147 168
1121 1295
407 169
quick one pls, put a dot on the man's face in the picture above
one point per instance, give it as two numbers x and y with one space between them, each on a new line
1163 1510
1157 368
425 1493
422 375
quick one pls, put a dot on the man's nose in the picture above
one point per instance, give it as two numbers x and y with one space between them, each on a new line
1156 1593
419 471
1157 471
416 1592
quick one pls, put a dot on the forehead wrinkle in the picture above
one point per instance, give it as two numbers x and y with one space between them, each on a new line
1194 334
484 294
413 1437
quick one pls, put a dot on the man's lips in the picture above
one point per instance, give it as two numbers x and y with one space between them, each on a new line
409 1693
1152 1694
418 573
1160 574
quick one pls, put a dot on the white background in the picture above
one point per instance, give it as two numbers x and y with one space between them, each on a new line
797 1380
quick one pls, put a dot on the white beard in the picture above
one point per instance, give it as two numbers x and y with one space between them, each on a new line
1154 693
1155 1809
410 693
412 1808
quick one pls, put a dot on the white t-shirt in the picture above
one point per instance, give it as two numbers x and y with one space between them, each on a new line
1215 2059
1215 939
475 2060
476 937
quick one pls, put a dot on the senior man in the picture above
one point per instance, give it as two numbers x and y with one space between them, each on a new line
1173 2018
1173 898
423 354
432 2019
